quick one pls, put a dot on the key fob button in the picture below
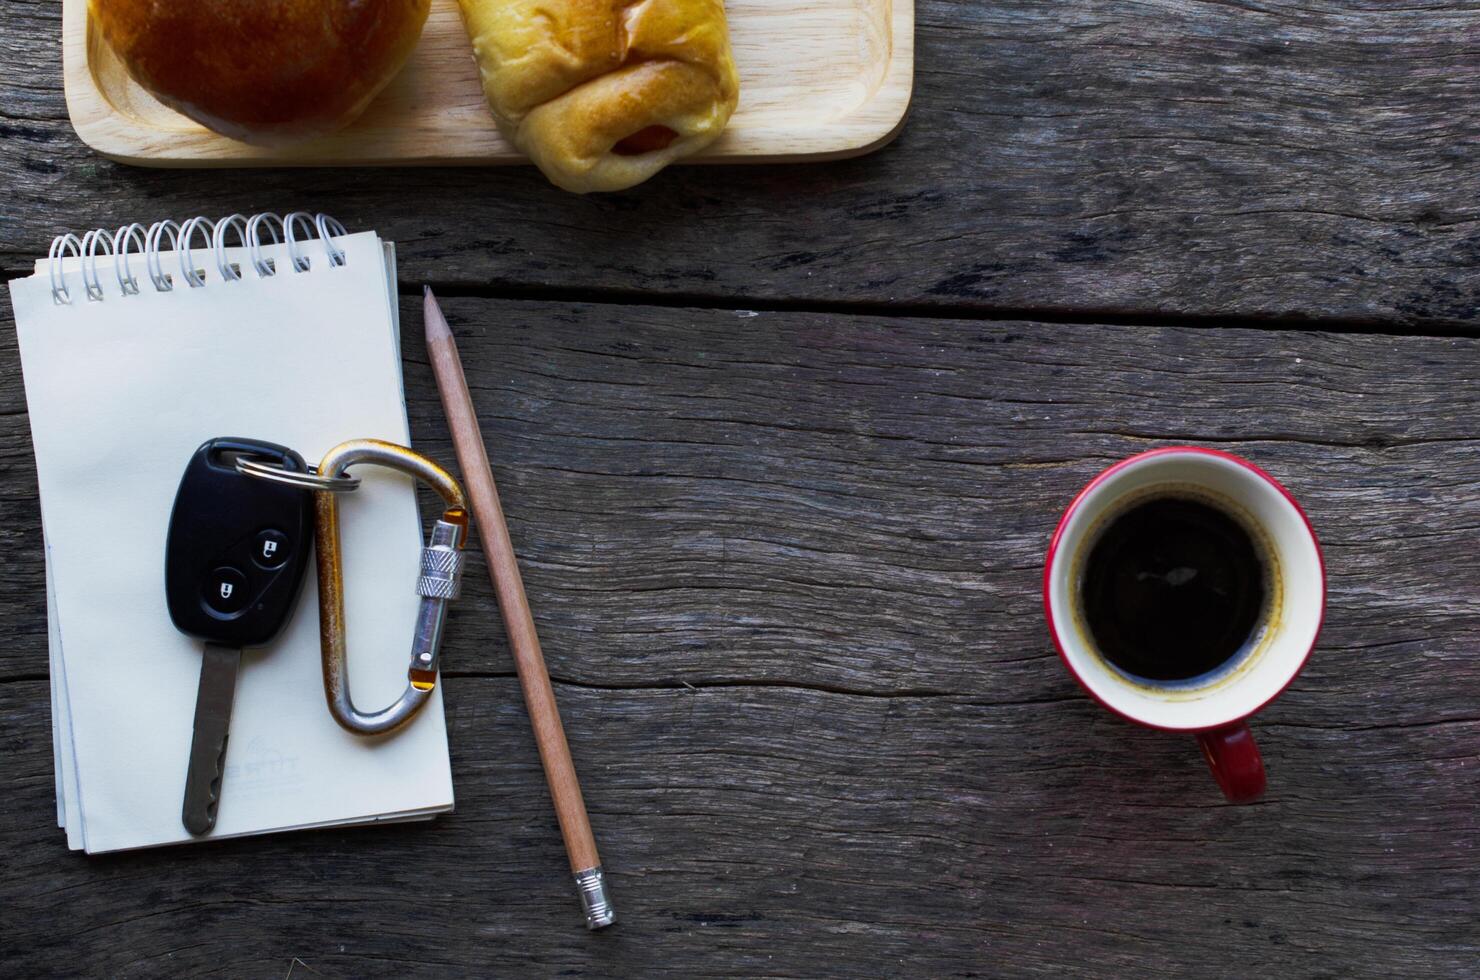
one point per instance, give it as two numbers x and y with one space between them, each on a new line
226 590
271 550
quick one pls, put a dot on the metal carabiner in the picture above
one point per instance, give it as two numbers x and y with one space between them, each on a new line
440 580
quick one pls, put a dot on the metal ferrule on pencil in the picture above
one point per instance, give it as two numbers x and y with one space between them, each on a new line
596 902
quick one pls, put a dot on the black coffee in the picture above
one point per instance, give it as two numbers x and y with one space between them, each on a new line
1173 588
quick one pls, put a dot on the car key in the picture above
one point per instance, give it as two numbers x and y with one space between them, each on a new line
234 562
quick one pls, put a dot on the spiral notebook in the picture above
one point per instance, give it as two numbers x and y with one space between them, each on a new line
137 346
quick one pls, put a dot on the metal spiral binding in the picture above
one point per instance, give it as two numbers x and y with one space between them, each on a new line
128 241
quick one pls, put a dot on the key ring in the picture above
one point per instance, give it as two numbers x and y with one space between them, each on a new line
275 473
439 582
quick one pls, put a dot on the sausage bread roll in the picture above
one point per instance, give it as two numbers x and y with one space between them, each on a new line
602 94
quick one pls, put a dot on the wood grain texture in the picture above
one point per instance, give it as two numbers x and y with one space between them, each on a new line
1293 159
786 572
823 79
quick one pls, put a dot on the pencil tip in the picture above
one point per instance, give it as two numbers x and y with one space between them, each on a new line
435 322
426 291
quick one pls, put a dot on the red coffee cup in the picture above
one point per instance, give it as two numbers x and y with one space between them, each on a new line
1215 708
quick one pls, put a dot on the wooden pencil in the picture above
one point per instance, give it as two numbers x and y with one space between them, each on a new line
503 568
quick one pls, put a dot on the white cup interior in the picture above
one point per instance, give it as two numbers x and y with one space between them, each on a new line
1294 623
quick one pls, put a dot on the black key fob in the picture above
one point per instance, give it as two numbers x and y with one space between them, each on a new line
237 545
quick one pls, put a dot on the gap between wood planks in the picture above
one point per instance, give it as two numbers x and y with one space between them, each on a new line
915 310
963 698
931 311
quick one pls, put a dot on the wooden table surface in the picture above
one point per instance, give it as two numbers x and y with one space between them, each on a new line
781 449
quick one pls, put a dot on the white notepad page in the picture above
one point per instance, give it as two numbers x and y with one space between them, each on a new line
120 393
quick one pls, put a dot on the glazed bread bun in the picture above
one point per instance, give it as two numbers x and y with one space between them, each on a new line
602 94
263 71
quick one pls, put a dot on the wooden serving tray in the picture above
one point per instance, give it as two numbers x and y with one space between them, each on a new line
819 80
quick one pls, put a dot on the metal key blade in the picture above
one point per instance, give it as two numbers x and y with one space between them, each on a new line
218 670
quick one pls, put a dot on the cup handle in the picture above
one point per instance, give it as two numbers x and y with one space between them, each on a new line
1235 760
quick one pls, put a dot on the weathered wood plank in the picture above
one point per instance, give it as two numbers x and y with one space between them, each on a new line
1290 159
786 570
786 832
